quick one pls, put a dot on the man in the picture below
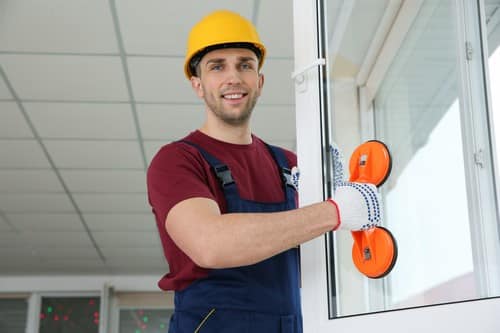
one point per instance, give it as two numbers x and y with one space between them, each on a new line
225 203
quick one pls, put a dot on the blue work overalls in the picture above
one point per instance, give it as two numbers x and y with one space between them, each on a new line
259 298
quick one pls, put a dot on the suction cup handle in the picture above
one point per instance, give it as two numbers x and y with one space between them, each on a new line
370 163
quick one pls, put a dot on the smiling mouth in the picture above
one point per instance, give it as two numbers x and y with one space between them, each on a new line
233 96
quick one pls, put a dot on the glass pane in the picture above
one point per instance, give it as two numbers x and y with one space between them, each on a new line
69 315
145 320
492 10
418 116
13 314
402 64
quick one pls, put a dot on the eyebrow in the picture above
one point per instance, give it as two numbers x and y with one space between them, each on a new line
222 60
215 61
247 59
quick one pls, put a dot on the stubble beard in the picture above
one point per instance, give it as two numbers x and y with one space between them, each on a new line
229 117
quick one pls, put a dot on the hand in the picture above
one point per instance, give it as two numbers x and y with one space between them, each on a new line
358 206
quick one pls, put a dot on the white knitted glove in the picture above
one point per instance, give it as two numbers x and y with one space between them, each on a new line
337 165
358 206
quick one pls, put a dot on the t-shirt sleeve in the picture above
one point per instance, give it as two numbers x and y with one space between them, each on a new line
175 174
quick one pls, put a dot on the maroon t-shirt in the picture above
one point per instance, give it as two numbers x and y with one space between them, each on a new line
179 172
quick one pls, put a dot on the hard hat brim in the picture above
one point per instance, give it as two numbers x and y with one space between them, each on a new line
194 61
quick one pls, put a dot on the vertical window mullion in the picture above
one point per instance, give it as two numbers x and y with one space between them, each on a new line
477 150
33 316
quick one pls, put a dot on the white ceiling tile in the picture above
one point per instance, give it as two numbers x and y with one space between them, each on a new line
4 92
132 260
277 38
169 122
34 203
57 239
68 252
12 122
274 122
4 226
139 267
29 181
152 250
9 239
167 26
46 222
124 222
57 26
56 266
22 154
152 147
47 266
66 78
110 181
128 239
160 80
93 121
278 84
114 203
95 154
146 269
16 249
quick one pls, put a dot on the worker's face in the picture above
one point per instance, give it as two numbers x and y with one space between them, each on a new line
230 83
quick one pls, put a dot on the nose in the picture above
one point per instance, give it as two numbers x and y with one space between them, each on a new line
233 76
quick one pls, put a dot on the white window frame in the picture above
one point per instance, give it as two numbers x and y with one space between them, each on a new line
478 152
310 149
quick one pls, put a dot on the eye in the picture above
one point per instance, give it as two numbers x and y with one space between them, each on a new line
216 67
246 66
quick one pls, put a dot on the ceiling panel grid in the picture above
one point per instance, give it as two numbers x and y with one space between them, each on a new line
89 91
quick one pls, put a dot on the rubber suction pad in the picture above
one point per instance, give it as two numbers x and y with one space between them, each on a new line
374 252
370 162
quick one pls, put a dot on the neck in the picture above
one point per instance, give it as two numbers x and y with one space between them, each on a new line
241 135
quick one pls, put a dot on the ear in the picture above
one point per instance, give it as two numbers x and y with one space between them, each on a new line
196 85
261 82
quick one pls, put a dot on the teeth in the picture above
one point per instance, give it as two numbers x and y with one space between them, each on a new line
233 96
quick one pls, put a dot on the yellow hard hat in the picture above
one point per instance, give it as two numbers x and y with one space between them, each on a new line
221 29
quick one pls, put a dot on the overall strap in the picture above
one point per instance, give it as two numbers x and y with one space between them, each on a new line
220 169
284 168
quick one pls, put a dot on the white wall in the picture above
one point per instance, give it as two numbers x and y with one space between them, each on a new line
72 283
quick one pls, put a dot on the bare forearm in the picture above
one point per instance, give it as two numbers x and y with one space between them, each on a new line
239 239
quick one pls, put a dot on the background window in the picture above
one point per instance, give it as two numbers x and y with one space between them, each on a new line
69 315
145 320
13 314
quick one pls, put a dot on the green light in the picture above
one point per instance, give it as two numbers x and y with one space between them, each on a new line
162 326
49 309
145 319
137 331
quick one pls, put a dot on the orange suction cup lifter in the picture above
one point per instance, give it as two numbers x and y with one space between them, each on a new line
370 163
374 252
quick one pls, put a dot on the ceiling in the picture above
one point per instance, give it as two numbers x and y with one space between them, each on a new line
90 90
